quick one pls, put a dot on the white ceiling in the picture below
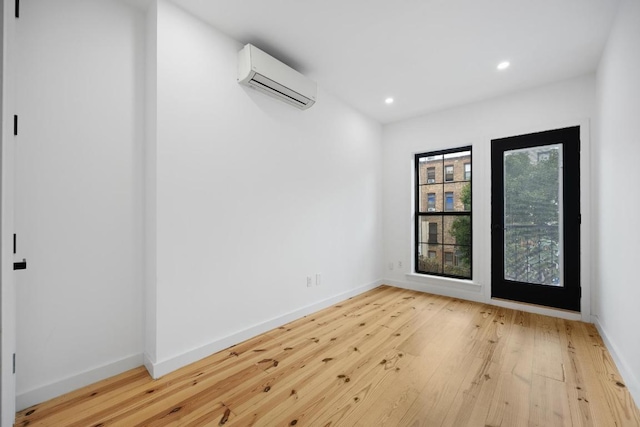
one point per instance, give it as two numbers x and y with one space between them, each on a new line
427 54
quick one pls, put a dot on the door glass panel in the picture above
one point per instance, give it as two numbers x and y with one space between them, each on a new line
533 215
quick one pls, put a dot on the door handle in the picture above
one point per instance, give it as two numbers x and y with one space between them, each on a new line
20 265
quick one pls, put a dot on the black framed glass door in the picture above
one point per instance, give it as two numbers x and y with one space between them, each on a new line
535 216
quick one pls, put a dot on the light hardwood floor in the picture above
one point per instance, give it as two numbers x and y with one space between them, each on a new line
388 357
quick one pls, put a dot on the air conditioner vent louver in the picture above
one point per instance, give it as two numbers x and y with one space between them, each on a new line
268 84
258 70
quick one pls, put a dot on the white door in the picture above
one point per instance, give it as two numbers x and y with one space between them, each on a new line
78 184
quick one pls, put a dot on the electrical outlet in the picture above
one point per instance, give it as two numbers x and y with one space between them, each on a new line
318 279
309 281
391 266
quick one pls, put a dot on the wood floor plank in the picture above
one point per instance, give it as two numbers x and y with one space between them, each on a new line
549 406
356 356
510 404
378 386
611 396
388 357
450 359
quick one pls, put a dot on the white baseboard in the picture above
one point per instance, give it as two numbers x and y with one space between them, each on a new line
630 380
49 391
148 363
163 367
469 292
536 309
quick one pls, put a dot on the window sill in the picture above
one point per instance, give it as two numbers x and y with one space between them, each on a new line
445 282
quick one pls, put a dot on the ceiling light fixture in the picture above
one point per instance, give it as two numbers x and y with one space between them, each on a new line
388 101
503 65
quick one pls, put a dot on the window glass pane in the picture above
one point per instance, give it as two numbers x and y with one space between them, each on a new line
431 261
460 265
425 192
457 230
430 229
532 212
460 191
443 213
430 170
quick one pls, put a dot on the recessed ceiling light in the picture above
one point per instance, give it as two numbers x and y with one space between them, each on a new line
388 101
503 65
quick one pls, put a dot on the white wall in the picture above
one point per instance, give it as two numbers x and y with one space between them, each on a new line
252 196
617 174
563 104
191 242
79 193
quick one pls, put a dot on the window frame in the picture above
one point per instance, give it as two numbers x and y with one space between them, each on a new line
443 213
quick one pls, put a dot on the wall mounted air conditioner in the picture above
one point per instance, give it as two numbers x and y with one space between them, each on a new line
431 210
431 181
263 72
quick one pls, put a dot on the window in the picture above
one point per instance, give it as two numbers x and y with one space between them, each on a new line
544 156
443 213
448 203
448 173
431 175
431 202
433 232
448 258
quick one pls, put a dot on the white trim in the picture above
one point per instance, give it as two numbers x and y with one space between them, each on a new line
536 309
444 282
149 364
66 385
163 367
630 380
587 262
471 293
474 292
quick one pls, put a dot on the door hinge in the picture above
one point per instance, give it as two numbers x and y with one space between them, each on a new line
15 125
17 8
580 219
14 363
